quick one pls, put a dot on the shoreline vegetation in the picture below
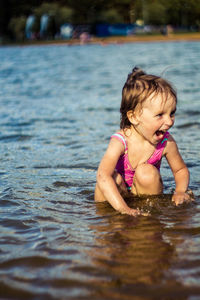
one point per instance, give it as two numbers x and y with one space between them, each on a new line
173 37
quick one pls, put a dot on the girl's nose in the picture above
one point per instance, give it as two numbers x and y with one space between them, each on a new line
169 121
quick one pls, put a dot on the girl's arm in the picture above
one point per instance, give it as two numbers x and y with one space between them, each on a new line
180 172
105 179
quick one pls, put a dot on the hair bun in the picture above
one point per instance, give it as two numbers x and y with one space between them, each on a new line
134 75
137 72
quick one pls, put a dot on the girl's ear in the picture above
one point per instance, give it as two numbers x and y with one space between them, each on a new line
132 116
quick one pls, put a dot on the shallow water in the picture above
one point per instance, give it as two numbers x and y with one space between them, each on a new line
59 106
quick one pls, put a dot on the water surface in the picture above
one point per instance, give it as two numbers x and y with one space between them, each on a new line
59 107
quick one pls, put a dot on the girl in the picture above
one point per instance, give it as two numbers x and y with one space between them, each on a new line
133 157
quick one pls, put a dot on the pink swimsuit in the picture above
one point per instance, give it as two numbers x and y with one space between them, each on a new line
124 167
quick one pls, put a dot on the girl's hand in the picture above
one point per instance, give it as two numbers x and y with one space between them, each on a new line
135 212
181 197
132 212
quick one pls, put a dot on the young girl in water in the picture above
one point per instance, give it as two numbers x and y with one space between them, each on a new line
133 157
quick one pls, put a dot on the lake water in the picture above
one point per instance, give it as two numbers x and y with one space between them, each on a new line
59 106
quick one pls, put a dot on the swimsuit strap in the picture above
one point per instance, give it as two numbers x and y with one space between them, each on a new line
121 138
156 157
162 144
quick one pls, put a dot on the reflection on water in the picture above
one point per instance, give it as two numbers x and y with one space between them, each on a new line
134 250
59 106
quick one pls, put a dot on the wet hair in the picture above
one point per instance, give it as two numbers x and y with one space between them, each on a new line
138 87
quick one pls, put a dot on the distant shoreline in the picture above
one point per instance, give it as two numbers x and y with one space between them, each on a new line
150 38
174 37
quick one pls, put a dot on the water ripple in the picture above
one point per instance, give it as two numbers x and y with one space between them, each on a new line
59 107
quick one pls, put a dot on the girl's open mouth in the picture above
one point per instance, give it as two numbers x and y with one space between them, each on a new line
160 133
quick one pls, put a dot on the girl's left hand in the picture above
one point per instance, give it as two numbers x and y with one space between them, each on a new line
181 197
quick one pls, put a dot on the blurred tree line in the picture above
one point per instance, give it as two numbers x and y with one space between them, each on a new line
178 13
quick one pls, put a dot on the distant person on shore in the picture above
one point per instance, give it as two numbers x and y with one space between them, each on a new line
132 160
84 38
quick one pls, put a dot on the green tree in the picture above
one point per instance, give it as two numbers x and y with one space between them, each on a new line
136 10
17 27
4 17
58 15
124 8
158 12
61 14
110 16
154 12
183 12
86 11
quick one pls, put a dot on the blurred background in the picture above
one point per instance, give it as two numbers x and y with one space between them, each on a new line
68 19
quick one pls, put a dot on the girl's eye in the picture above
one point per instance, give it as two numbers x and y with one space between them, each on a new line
159 115
172 113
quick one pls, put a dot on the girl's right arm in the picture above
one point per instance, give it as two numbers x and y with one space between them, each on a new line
105 181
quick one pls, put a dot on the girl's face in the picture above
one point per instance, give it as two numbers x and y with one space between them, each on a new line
156 117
